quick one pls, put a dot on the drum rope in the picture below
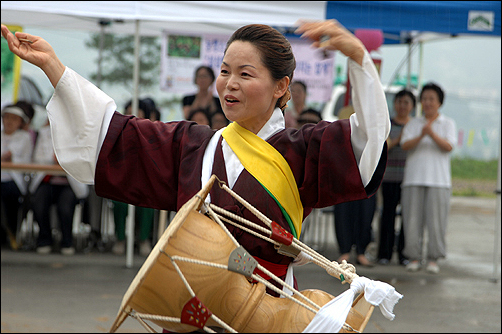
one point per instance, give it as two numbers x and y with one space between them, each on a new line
187 285
344 271
274 277
175 258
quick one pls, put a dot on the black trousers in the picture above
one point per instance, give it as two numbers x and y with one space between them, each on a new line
391 193
353 224
65 200
10 208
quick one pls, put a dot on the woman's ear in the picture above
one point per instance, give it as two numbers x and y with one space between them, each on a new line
281 87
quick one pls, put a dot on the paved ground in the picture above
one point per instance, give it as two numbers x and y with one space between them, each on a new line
82 293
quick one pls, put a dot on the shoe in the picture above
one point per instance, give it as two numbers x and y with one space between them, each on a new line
44 250
67 251
342 257
404 262
383 262
145 248
432 268
413 266
363 261
119 248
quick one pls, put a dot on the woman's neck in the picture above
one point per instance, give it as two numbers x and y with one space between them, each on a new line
401 119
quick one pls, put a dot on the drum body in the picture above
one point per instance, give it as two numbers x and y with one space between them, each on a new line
158 288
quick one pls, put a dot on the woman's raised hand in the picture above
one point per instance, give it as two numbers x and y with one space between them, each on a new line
332 35
37 51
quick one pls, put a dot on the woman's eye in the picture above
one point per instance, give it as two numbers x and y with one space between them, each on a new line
223 71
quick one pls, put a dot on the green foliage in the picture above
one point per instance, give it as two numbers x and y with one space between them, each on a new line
117 63
471 169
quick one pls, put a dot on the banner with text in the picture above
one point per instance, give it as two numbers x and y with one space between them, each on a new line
182 53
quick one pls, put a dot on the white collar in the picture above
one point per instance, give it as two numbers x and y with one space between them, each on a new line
274 124
233 166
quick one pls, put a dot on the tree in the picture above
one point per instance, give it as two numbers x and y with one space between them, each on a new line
117 63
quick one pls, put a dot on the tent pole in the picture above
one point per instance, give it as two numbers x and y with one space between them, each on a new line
134 104
408 77
420 75
497 224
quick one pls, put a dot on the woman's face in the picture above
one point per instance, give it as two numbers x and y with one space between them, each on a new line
430 102
203 79
200 118
11 123
297 93
246 88
403 106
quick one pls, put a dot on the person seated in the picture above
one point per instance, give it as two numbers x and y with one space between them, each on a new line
17 147
63 191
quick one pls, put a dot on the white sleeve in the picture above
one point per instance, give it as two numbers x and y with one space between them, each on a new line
79 115
370 123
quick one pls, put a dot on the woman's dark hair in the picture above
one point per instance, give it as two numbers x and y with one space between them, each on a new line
434 87
275 52
301 83
406 92
141 105
27 108
208 69
199 110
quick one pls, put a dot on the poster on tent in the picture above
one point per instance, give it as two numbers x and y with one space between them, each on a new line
11 68
315 68
182 53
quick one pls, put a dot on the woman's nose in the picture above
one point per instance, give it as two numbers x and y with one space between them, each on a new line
232 83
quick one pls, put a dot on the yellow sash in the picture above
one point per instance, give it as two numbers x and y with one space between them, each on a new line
270 168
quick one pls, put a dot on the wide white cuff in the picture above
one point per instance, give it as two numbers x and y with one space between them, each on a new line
370 123
79 115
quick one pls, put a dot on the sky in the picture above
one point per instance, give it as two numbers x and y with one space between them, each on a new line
467 68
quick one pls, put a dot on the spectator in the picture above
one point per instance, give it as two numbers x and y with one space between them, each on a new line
309 116
143 109
353 228
17 147
298 96
404 103
218 120
426 186
64 191
30 112
154 111
203 99
199 116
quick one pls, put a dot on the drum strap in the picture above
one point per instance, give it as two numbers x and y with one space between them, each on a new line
270 168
